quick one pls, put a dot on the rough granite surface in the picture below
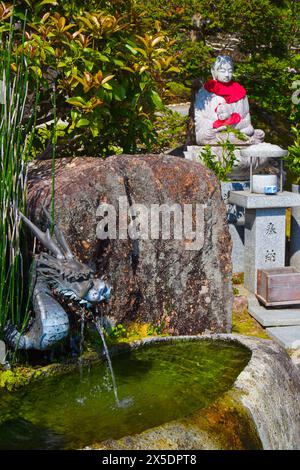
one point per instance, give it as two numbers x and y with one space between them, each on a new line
152 280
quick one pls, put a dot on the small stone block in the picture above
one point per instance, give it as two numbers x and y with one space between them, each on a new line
286 336
273 316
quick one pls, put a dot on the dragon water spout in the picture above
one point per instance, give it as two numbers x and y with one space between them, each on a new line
55 274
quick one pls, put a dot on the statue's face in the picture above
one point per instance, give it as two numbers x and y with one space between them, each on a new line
223 73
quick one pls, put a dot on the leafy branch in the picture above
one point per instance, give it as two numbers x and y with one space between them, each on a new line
222 166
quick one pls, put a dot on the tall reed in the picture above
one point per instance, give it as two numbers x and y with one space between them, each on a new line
16 138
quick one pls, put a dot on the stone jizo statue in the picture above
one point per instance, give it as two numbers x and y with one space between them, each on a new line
222 102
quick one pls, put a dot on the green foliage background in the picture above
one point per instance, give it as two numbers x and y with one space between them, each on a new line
267 62
113 63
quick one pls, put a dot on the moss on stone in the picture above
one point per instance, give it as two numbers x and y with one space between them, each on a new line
136 331
18 376
13 379
228 424
244 324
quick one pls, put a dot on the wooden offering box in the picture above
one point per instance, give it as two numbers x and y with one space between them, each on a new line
278 286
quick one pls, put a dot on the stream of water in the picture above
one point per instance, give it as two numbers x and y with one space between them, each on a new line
113 379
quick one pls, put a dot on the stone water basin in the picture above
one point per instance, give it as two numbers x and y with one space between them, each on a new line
206 392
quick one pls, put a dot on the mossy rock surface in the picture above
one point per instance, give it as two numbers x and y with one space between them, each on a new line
19 377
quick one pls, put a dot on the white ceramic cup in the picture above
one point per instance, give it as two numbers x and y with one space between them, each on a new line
261 181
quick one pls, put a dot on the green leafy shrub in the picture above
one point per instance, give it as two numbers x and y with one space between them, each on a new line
222 166
292 161
177 92
108 73
118 331
195 61
171 130
156 330
266 33
269 85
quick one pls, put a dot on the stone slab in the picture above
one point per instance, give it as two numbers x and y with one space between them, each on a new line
273 316
261 201
286 336
263 150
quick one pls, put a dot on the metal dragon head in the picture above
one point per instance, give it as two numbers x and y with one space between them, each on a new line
63 272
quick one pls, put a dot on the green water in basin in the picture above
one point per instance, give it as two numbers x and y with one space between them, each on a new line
156 384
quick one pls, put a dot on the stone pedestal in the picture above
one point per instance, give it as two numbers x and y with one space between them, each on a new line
264 242
240 182
264 230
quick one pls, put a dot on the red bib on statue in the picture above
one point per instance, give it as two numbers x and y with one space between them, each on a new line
231 92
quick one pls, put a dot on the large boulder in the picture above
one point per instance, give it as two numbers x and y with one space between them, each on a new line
162 282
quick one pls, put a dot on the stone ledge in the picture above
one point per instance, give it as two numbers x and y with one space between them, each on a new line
273 316
261 201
